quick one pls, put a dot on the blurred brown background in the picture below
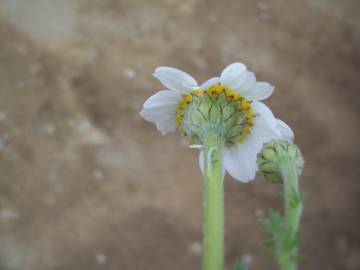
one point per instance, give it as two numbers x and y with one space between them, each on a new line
86 184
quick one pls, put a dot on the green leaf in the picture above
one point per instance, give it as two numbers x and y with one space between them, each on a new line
274 228
300 258
240 265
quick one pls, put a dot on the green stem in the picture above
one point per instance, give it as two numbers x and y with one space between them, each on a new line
293 211
213 245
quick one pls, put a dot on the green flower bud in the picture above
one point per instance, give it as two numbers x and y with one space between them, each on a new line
273 154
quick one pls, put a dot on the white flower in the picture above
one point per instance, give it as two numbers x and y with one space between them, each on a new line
239 159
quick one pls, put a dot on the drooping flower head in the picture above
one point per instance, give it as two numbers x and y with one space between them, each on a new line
229 104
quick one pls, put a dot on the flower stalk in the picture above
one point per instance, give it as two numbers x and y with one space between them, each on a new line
281 161
288 257
213 242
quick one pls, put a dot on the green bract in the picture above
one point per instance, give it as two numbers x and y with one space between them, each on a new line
218 110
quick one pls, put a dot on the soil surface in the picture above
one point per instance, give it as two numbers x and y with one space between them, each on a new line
87 184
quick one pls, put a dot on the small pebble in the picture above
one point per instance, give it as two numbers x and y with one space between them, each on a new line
107 123
262 6
83 126
9 215
2 116
130 73
248 258
2 144
136 105
35 68
53 176
123 104
187 7
21 48
183 141
101 258
98 174
213 17
259 213
50 199
49 129
263 11
195 248
20 84
46 129
341 244
353 260
264 16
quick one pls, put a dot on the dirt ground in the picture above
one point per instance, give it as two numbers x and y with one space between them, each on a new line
87 184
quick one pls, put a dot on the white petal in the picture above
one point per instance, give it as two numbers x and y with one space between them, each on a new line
163 97
161 110
156 114
233 75
259 91
243 83
175 79
240 161
166 125
246 84
209 83
261 132
265 121
285 130
245 153
237 78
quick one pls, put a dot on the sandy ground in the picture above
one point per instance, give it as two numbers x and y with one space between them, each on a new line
87 184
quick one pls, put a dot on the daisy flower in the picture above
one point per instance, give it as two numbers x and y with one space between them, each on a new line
230 104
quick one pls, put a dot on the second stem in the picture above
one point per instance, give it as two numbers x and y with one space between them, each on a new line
293 210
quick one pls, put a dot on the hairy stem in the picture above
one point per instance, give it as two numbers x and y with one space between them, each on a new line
293 209
213 243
